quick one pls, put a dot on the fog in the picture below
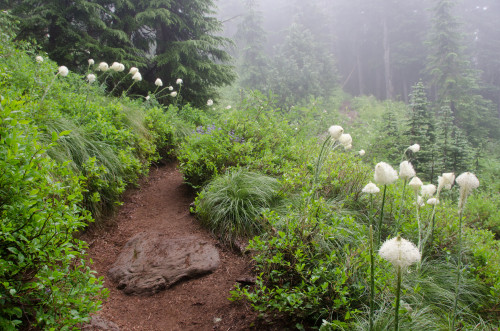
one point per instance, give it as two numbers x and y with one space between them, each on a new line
379 48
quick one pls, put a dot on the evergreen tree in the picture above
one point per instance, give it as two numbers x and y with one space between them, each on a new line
444 141
389 144
422 131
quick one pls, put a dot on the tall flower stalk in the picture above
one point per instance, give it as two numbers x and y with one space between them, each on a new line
61 71
384 175
467 182
401 253
406 172
372 279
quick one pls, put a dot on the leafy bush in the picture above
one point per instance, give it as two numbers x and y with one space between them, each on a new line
44 276
231 205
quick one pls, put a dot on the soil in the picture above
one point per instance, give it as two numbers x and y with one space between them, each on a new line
161 204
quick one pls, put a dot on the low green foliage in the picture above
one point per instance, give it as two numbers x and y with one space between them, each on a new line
231 206
44 277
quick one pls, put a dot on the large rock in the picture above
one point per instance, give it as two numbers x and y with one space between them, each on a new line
150 263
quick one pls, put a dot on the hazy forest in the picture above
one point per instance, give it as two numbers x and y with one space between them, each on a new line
352 145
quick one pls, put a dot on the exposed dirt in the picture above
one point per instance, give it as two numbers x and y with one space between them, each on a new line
162 204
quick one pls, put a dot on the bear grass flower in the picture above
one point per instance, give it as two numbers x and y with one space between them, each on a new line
446 180
428 190
158 82
116 67
406 170
399 252
39 59
228 107
432 201
346 140
415 183
336 131
173 94
63 71
414 148
385 174
137 77
103 66
91 78
361 152
133 71
170 88
178 81
210 102
370 188
91 62
467 182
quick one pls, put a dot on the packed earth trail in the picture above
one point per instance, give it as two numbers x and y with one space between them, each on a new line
161 205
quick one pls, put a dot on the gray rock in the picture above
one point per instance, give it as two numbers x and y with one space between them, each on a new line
150 262
99 323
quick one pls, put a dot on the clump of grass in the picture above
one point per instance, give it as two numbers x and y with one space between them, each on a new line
232 204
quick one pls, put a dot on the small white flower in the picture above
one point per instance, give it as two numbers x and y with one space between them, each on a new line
415 184
91 62
428 190
420 201
406 170
63 71
385 174
210 102
158 82
467 182
121 68
370 188
346 140
228 107
173 94
414 148
103 66
115 66
432 201
178 81
336 131
400 252
170 88
147 98
137 77
133 71
446 180
91 78
361 152
39 59
347 147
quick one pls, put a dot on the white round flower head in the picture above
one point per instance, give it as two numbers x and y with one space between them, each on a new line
347 147
370 188
428 190
385 174
133 71
336 131
103 66
467 182
91 78
361 152
170 88
345 139
420 201
147 98
137 77
406 170
415 183
228 107
63 71
39 59
91 62
400 252
178 81
432 201
158 82
210 102
115 66
414 148
446 181
121 68
173 94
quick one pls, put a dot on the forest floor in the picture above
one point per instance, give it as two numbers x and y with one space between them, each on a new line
161 204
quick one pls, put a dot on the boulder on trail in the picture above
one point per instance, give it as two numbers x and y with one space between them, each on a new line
151 262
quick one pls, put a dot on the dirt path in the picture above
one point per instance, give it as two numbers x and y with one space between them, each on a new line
162 204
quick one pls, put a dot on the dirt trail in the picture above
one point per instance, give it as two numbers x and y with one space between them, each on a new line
162 204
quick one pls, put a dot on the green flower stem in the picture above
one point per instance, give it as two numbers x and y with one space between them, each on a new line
417 208
400 207
125 94
114 88
398 290
381 217
372 278
459 270
48 88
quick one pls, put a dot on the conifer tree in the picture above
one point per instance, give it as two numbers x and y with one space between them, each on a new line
422 131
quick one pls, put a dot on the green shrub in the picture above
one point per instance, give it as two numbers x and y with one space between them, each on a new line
44 276
231 205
